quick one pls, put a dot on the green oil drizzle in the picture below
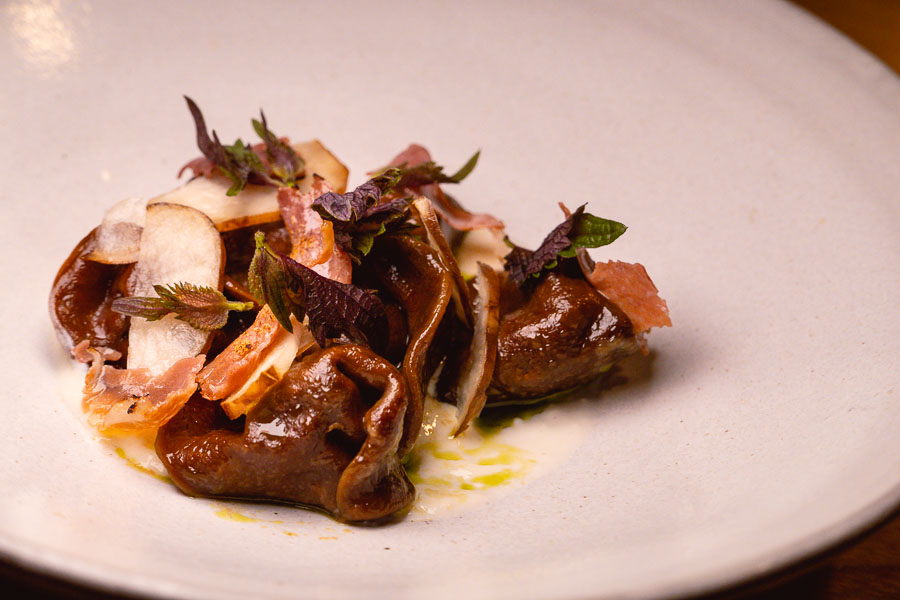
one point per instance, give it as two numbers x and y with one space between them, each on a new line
233 515
120 452
506 455
495 419
495 479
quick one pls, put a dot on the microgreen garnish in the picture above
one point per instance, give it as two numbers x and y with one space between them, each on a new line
201 307
241 163
579 230
334 309
359 216
284 163
431 172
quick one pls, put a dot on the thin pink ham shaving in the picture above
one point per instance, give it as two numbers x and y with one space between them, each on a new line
231 368
312 238
629 287
312 241
200 166
455 215
132 400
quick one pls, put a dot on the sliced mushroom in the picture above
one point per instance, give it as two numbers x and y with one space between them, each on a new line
118 239
438 242
470 390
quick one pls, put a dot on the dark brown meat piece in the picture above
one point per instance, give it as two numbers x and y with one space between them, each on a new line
326 435
81 300
411 273
560 335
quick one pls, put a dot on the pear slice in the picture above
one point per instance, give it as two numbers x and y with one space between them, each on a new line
478 368
255 204
118 239
178 244
480 246
270 370
320 161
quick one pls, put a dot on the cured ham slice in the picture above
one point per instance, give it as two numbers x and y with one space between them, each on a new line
312 238
231 368
455 215
629 287
119 401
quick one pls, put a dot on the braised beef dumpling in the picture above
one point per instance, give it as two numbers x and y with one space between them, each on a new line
411 273
81 300
560 335
326 435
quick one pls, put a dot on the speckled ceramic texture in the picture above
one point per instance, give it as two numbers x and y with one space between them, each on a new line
751 151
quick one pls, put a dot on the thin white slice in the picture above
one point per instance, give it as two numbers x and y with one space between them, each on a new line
270 371
481 245
475 377
178 244
435 238
320 161
255 204
118 238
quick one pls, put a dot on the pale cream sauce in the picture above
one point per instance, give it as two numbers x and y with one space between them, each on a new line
449 473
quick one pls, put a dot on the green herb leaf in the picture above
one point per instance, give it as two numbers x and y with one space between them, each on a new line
269 283
361 215
285 164
204 308
590 231
242 163
579 230
431 172
334 309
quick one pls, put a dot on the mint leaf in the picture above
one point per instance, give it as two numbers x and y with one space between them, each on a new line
269 283
579 230
590 231
201 307
240 164
338 309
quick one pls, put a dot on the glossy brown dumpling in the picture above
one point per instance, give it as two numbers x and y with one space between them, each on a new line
560 335
81 300
326 435
411 274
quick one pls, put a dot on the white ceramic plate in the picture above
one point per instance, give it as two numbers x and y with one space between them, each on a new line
752 151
